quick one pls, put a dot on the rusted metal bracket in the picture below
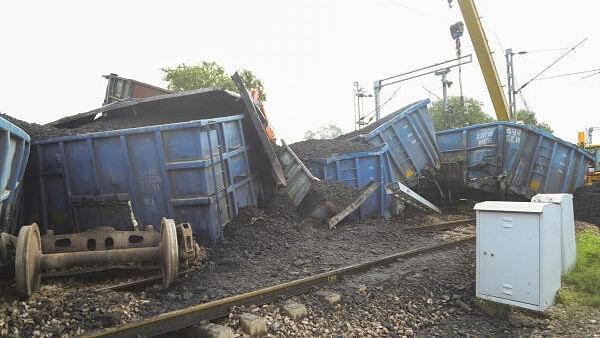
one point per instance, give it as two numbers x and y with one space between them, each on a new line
117 248
369 190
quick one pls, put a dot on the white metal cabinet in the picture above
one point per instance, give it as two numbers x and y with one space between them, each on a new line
567 239
518 253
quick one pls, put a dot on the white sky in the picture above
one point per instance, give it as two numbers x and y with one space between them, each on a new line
308 53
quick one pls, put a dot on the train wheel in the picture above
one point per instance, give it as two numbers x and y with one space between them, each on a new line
27 261
169 252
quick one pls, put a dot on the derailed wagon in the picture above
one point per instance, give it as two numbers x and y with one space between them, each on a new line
509 160
410 138
400 147
102 183
195 172
14 152
357 170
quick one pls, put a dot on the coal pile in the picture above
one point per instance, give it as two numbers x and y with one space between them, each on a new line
333 196
586 204
129 120
321 149
34 130
111 122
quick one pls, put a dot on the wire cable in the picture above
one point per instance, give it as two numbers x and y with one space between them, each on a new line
522 97
585 77
382 105
552 64
570 74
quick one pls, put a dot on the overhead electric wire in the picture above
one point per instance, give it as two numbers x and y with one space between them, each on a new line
430 92
552 64
570 74
418 11
585 77
382 105
545 50
522 97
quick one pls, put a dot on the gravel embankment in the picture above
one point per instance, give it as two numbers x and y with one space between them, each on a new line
426 296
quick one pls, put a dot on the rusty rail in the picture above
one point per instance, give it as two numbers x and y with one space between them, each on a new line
179 319
443 225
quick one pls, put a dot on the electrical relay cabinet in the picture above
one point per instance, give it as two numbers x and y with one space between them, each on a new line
518 249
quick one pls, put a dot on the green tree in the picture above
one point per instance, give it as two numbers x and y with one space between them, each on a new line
459 115
528 117
208 74
324 132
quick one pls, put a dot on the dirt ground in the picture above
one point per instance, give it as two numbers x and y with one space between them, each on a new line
428 296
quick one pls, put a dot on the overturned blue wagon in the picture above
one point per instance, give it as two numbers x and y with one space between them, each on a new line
400 147
409 135
508 159
14 152
196 171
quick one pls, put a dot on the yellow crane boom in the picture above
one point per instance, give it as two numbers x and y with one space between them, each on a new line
484 56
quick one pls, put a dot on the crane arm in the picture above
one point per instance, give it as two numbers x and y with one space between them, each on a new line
484 56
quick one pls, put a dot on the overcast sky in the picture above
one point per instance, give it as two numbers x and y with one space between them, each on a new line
308 53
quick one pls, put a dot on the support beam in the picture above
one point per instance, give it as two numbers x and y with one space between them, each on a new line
484 56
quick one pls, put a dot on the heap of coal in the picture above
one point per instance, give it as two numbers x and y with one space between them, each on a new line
321 149
34 130
586 204
333 196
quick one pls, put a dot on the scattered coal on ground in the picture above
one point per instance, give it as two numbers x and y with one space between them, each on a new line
262 247
373 125
586 204
324 148
334 196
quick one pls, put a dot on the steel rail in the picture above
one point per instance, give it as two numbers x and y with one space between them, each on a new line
442 225
180 319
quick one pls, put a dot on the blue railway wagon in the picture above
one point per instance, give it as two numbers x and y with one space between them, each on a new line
196 172
505 157
410 137
14 152
357 170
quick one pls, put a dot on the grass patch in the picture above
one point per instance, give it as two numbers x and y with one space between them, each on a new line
581 286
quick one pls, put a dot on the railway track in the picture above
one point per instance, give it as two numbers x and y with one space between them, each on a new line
443 225
176 320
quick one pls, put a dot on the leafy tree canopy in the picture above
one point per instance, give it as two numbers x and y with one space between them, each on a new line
324 132
459 115
472 113
208 74
528 117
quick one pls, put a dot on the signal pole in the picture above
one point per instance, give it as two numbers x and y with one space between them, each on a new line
359 95
510 79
